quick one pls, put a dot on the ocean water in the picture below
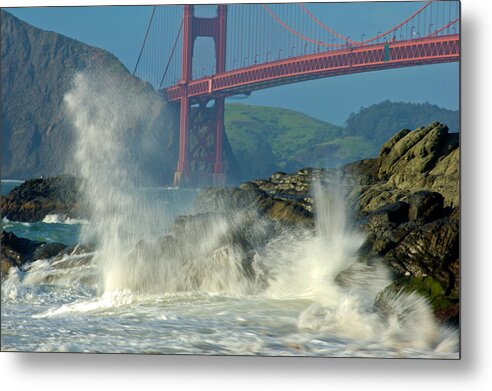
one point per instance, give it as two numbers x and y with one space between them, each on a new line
62 305
59 228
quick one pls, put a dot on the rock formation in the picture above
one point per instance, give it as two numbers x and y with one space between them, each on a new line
37 198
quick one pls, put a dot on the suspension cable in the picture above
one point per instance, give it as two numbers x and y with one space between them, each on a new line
295 32
322 25
145 39
397 26
172 54
443 27
346 39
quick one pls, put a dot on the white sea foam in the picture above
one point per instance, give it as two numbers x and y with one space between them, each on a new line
106 301
62 219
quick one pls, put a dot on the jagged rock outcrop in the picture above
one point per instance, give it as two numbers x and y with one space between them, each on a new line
37 198
427 158
16 252
424 159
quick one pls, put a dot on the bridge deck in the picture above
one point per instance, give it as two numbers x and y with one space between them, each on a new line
429 50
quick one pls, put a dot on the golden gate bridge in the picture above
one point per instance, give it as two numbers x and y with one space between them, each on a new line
198 55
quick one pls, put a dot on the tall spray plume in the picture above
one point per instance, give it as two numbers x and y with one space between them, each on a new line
118 131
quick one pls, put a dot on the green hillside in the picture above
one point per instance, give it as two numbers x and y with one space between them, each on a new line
268 139
381 120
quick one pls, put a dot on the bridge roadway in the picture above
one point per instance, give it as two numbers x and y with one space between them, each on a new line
387 55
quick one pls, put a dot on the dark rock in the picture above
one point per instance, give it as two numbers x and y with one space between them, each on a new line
84 253
48 250
384 227
397 234
425 205
363 171
36 198
286 210
429 250
394 213
17 251
218 200
307 171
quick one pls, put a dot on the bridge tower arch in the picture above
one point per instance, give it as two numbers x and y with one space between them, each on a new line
193 121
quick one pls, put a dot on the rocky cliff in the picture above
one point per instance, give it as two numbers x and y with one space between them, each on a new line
38 69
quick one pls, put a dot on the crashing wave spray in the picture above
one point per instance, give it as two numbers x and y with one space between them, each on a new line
113 128
352 297
109 121
324 266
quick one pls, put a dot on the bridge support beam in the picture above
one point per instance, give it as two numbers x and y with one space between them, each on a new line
219 176
182 174
188 171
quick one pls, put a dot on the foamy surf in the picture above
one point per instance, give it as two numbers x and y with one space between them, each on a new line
62 219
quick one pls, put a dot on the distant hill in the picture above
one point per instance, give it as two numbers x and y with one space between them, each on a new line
268 139
37 69
378 122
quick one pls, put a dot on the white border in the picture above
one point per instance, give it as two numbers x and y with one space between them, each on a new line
473 372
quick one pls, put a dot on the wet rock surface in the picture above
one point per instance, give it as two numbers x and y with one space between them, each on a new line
16 252
406 201
36 198
21 252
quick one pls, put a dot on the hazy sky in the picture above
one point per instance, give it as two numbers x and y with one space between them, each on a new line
120 30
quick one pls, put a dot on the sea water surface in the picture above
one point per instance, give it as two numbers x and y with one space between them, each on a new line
45 308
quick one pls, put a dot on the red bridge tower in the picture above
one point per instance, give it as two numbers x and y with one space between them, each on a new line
201 127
